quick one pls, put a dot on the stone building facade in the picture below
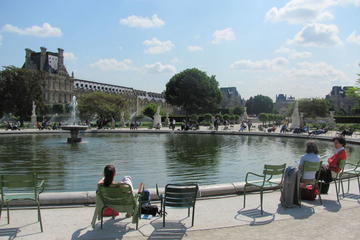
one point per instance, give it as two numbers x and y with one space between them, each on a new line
59 86
342 103
282 103
230 98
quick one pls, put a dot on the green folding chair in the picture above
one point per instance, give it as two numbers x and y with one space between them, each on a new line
266 180
21 187
338 180
120 198
312 167
179 196
353 171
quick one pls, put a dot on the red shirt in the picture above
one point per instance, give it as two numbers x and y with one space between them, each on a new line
334 161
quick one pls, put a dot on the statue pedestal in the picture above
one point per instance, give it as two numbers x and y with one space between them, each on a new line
33 120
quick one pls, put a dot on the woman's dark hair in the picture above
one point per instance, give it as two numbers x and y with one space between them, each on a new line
311 147
109 173
341 140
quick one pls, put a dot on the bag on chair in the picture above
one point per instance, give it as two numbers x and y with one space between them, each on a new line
308 192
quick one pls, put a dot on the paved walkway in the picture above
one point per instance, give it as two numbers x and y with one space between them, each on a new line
214 219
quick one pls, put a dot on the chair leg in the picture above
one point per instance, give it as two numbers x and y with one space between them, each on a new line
348 185
342 187
39 216
261 201
337 193
163 215
193 216
101 226
244 196
188 212
358 182
8 212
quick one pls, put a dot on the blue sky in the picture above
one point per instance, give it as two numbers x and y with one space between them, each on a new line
298 47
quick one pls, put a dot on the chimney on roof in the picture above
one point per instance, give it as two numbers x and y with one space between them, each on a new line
61 58
28 53
42 58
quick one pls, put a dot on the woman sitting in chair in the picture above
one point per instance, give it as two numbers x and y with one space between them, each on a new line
330 171
108 179
310 156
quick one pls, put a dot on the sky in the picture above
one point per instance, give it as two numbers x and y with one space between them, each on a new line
298 47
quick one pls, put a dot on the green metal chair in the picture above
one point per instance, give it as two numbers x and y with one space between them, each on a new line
266 180
120 198
352 172
21 187
179 196
312 167
338 180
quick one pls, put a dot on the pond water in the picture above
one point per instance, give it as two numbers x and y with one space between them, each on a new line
149 158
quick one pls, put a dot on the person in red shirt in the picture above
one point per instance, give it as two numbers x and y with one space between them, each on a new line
329 171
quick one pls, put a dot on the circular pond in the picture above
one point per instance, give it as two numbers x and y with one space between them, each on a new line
149 158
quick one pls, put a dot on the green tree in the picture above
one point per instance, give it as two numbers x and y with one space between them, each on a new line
194 91
18 89
238 110
150 110
104 105
259 104
312 107
263 117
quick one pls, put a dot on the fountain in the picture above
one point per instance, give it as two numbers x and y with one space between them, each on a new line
157 119
73 124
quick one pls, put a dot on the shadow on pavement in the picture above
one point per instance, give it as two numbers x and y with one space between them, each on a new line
9 232
172 230
254 217
296 212
112 229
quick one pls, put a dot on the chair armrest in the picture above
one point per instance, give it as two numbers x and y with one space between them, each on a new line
141 188
41 186
351 164
254 174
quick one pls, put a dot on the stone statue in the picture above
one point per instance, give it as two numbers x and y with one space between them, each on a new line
157 119
33 115
122 120
245 115
167 120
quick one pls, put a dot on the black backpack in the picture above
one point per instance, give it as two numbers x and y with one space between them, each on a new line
146 207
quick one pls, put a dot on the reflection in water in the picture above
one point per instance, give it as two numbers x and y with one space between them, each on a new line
191 155
149 158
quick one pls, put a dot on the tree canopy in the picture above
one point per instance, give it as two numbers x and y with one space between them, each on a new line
194 91
259 104
18 89
104 105
312 107
150 110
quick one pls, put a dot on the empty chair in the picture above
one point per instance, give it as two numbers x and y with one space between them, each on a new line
266 180
179 196
21 187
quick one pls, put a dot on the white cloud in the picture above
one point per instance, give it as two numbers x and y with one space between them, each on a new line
292 53
305 11
158 67
46 30
226 34
261 65
175 60
317 35
111 64
69 56
142 22
194 48
316 70
157 47
354 37
300 11
1 38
